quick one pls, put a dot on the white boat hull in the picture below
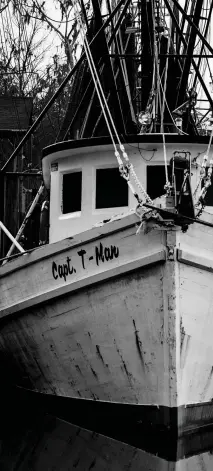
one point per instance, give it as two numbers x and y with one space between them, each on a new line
128 322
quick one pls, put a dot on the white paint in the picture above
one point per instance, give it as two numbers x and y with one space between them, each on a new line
88 159
105 310
41 280
170 303
196 320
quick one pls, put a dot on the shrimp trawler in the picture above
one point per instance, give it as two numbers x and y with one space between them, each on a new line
115 312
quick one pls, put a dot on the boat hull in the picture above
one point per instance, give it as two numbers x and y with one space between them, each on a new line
107 321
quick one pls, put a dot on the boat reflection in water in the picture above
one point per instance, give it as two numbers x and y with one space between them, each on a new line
31 439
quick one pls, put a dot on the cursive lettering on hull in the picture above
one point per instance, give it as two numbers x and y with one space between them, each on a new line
98 255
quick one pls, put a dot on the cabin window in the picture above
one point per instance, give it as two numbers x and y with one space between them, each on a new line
209 194
72 189
111 189
156 179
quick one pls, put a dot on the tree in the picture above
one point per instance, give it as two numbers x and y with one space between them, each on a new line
65 26
25 68
50 125
23 49
24 41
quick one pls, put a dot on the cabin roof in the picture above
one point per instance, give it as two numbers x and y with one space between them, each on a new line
15 113
134 138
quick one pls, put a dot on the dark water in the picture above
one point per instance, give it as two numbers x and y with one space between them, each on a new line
33 439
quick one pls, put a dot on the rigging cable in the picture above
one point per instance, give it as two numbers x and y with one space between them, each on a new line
165 82
156 59
125 169
167 186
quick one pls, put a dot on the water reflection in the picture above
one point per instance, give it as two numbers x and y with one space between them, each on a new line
47 443
32 440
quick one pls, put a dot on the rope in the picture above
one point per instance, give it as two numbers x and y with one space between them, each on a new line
127 168
95 76
165 83
162 104
167 185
